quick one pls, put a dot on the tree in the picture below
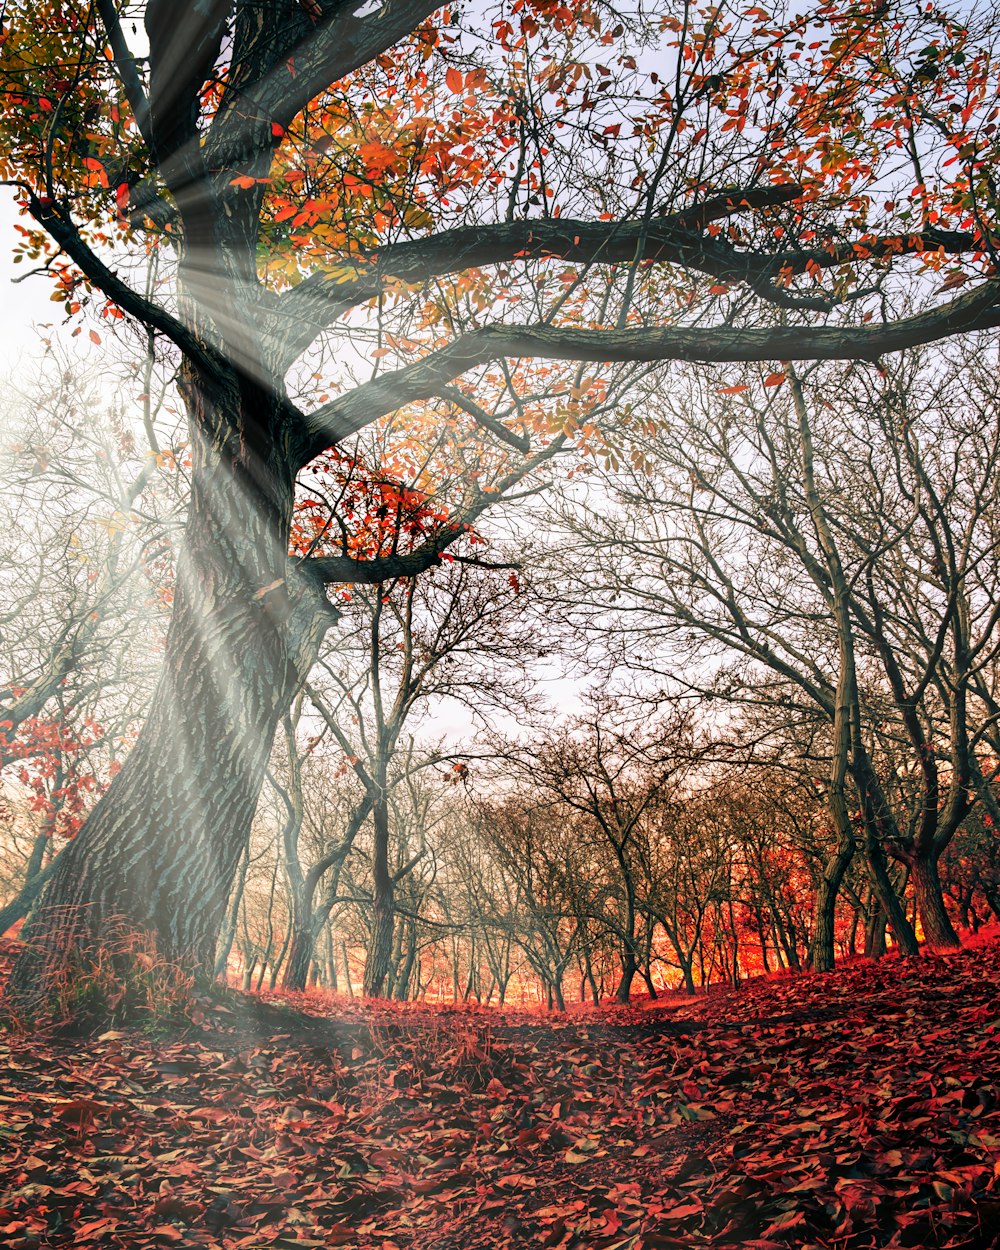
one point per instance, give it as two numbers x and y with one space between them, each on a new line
86 520
842 551
310 913
606 779
303 160
543 860
451 633
686 857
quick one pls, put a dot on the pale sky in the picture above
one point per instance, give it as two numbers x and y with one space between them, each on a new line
23 304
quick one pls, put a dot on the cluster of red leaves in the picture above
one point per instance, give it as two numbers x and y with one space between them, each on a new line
375 514
856 1109
50 756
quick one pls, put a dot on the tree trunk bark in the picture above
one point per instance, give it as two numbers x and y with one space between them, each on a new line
308 918
786 932
852 937
934 919
395 962
297 968
330 959
822 956
886 894
557 996
160 850
403 985
629 969
589 969
383 910
276 966
875 946
380 952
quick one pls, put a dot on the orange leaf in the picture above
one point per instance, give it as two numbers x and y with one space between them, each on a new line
454 79
94 337
774 379
733 390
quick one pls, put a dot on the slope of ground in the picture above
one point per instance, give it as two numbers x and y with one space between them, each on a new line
856 1109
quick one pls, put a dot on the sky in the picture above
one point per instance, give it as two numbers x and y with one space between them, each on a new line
23 305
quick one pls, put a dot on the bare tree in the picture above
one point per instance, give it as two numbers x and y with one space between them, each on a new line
842 550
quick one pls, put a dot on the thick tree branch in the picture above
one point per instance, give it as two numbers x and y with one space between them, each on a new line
275 78
125 64
339 852
318 301
341 418
184 44
386 568
56 223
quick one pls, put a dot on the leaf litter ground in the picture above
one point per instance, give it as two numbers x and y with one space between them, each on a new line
855 1109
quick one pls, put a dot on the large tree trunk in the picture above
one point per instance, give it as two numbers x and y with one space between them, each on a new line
934 919
160 850
629 969
299 958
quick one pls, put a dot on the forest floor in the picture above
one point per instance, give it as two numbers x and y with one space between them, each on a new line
856 1109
